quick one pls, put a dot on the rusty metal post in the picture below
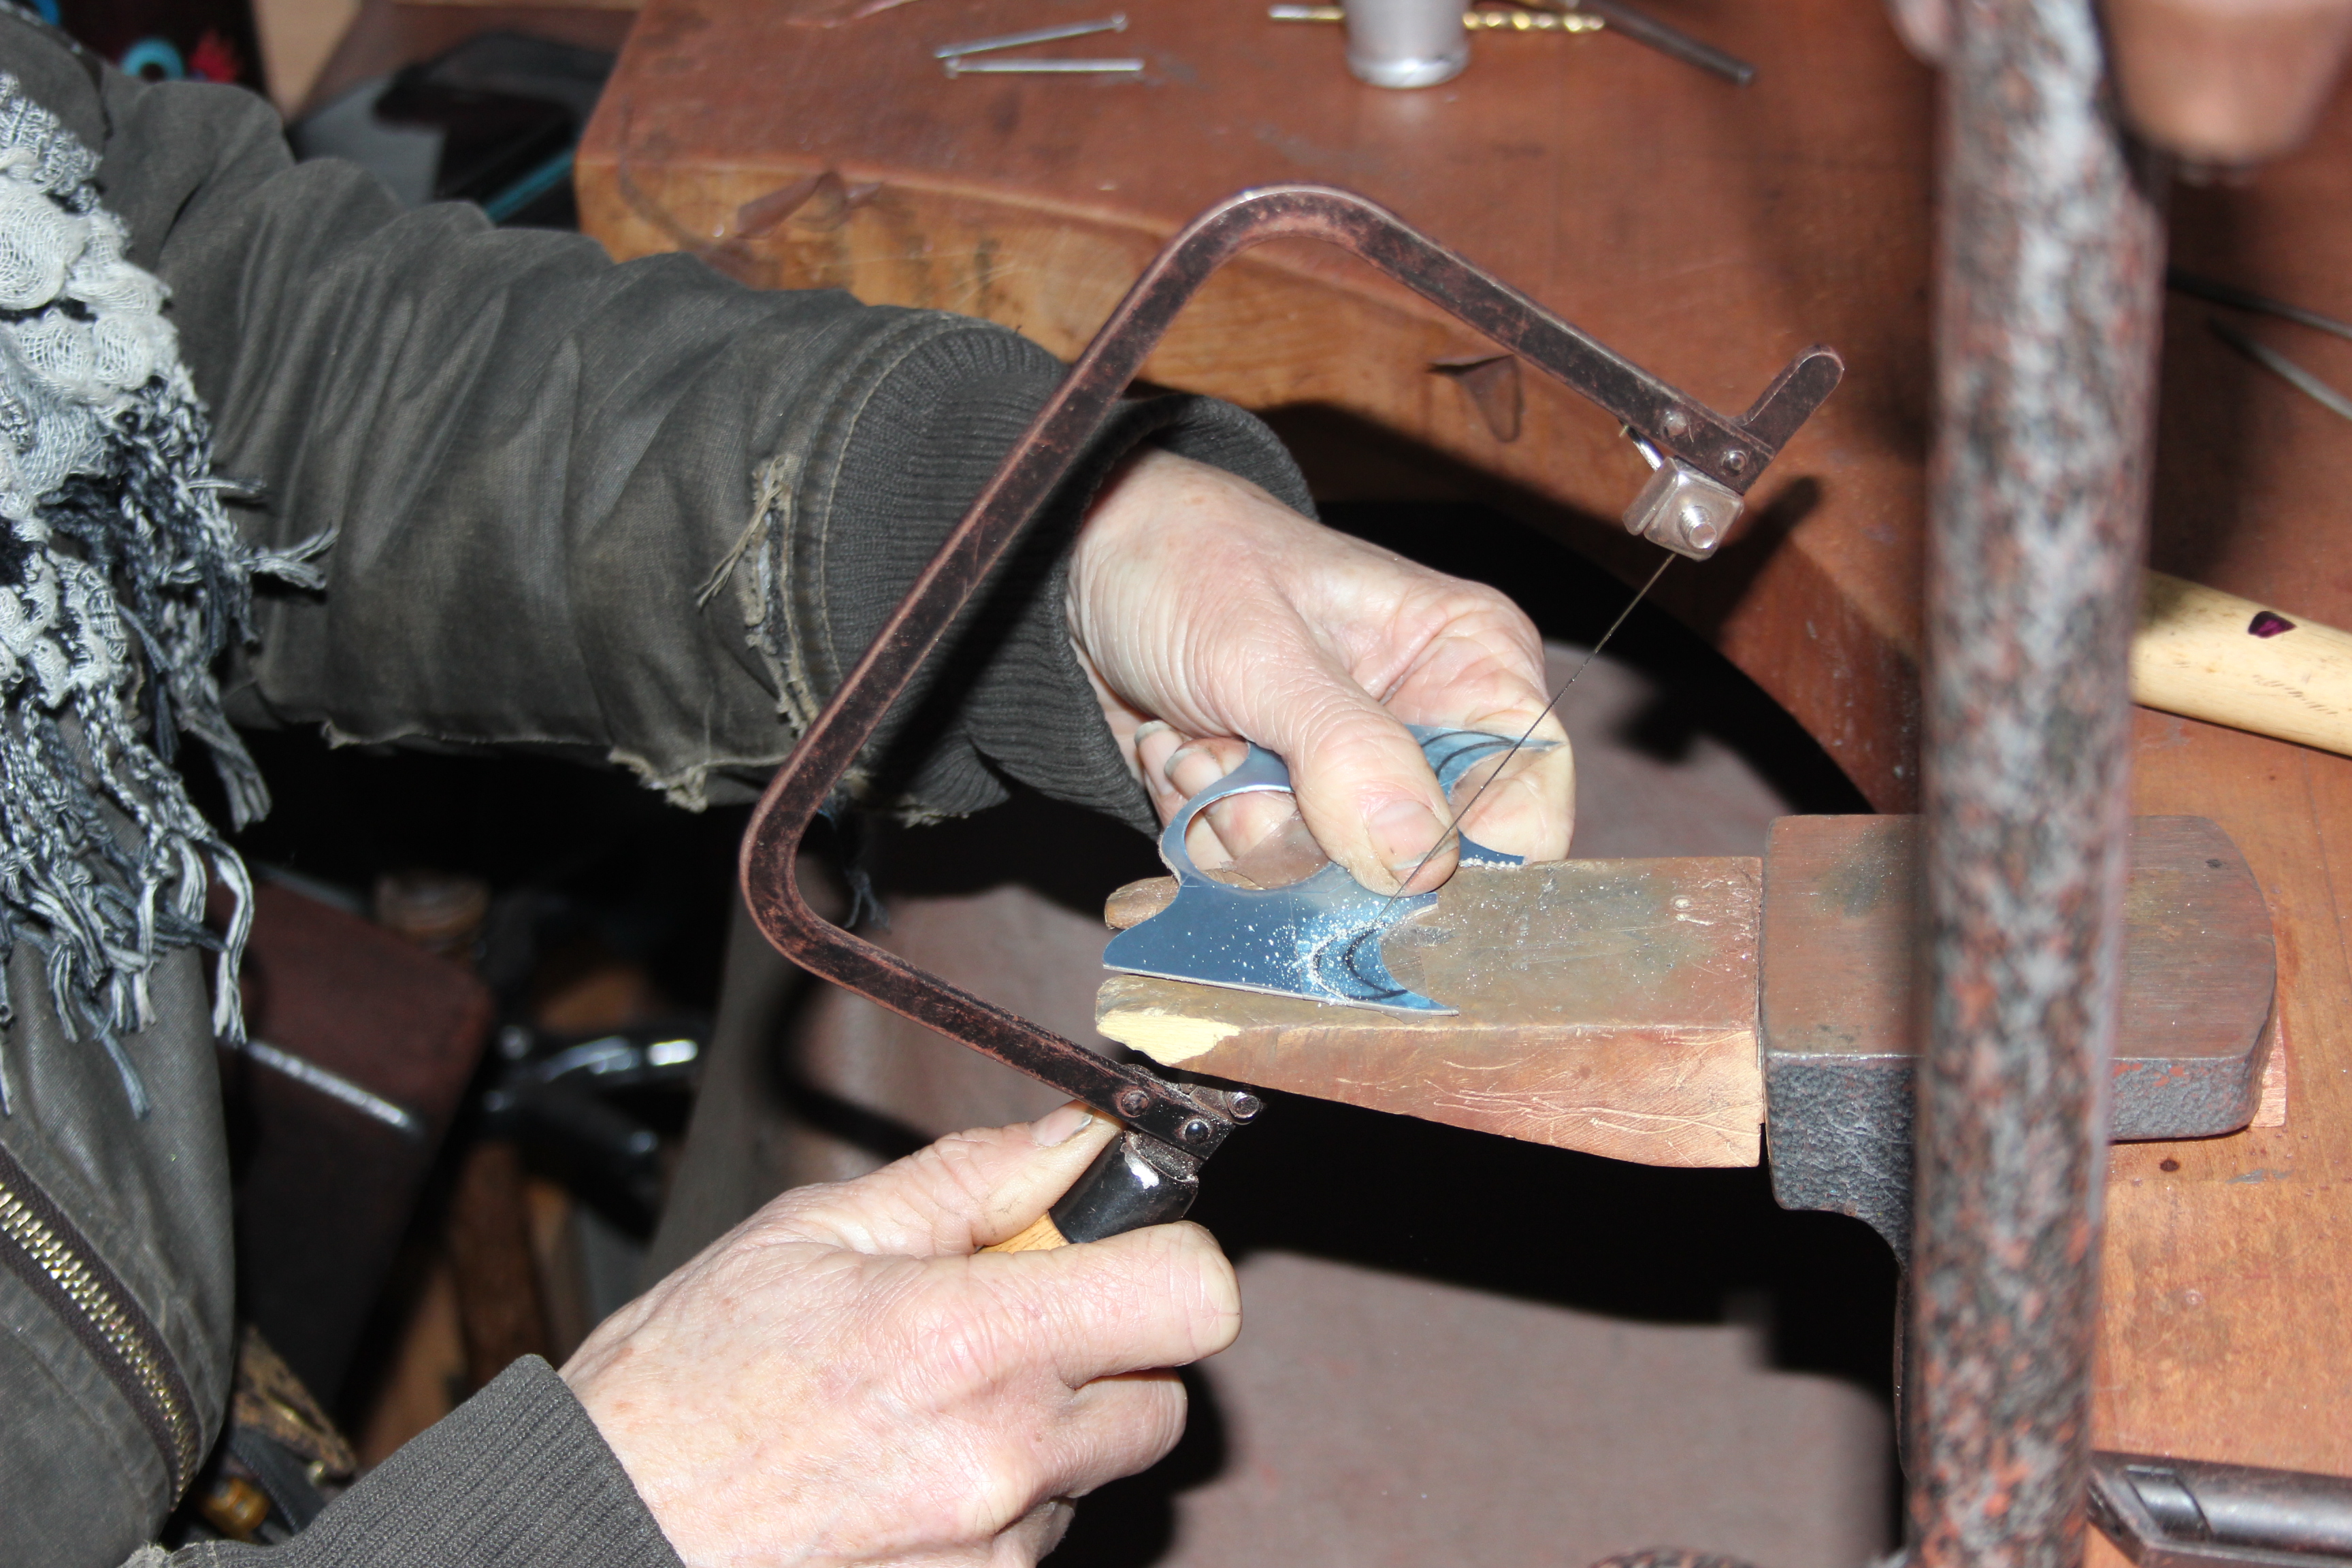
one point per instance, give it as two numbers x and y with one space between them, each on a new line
2049 257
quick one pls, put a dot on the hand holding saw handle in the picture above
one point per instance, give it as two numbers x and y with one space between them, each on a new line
1706 462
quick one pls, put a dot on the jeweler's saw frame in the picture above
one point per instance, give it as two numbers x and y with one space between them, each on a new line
1706 462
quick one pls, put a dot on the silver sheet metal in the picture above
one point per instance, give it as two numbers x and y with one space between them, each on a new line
1318 938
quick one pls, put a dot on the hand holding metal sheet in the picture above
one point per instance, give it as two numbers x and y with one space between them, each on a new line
1319 938
1197 600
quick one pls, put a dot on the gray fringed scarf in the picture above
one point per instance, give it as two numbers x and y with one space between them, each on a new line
122 579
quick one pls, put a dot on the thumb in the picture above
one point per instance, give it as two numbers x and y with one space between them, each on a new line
965 1192
1363 787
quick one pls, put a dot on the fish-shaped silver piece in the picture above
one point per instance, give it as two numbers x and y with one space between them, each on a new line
1319 938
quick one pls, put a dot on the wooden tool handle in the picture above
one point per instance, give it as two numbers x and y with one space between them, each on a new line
1043 1236
1127 1187
2212 655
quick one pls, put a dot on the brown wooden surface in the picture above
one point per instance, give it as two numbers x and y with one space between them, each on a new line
1608 1005
1622 1006
1708 233
2228 1329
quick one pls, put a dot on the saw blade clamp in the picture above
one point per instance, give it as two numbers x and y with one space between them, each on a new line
1680 508
1319 938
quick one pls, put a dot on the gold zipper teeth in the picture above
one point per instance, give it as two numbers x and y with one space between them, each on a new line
90 1293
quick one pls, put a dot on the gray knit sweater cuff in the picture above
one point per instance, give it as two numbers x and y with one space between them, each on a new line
517 1476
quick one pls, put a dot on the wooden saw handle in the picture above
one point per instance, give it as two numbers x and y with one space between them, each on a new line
1043 1236
1127 1188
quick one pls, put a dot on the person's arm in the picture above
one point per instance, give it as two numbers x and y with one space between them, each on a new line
644 513
635 512
841 1380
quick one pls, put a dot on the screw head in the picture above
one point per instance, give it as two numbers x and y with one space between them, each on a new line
1734 459
1675 422
1244 1106
1195 1131
1133 1102
1698 527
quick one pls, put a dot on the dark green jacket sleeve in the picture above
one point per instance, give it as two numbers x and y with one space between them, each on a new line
517 1476
537 461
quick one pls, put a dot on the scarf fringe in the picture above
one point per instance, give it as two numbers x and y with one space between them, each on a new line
121 586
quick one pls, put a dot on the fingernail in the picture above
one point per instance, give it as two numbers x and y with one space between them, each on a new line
1060 1125
1149 728
1188 762
1402 833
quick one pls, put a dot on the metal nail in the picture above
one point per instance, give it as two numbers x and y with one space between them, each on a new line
963 66
2278 364
1117 23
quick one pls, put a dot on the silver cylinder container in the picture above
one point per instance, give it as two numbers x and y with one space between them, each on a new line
1406 43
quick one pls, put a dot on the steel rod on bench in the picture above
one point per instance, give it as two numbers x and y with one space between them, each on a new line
2049 257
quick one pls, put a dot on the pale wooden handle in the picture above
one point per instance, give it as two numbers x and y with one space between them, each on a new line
2200 653
1041 1237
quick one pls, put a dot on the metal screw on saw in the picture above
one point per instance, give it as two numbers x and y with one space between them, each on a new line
1133 1102
1195 1131
1698 530
1243 1106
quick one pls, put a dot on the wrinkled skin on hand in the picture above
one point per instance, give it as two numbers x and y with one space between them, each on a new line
841 1380
1207 612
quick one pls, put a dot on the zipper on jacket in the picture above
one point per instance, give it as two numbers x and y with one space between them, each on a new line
51 1254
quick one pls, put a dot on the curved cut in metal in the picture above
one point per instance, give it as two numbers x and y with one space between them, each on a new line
1732 451
1319 938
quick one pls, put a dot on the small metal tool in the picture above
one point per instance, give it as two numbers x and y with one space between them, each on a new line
2216 292
1405 43
2285 368
1112 23
1515 21
1487 21
2190 1513
1573 17
333 1085
959 66
1317 939
1644 28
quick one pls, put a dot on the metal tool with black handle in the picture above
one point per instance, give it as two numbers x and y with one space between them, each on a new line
1704 462
2194 1513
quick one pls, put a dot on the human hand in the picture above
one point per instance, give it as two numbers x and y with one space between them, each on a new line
841 1381
1201 603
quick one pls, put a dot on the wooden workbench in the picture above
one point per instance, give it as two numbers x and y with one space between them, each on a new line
1708 233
